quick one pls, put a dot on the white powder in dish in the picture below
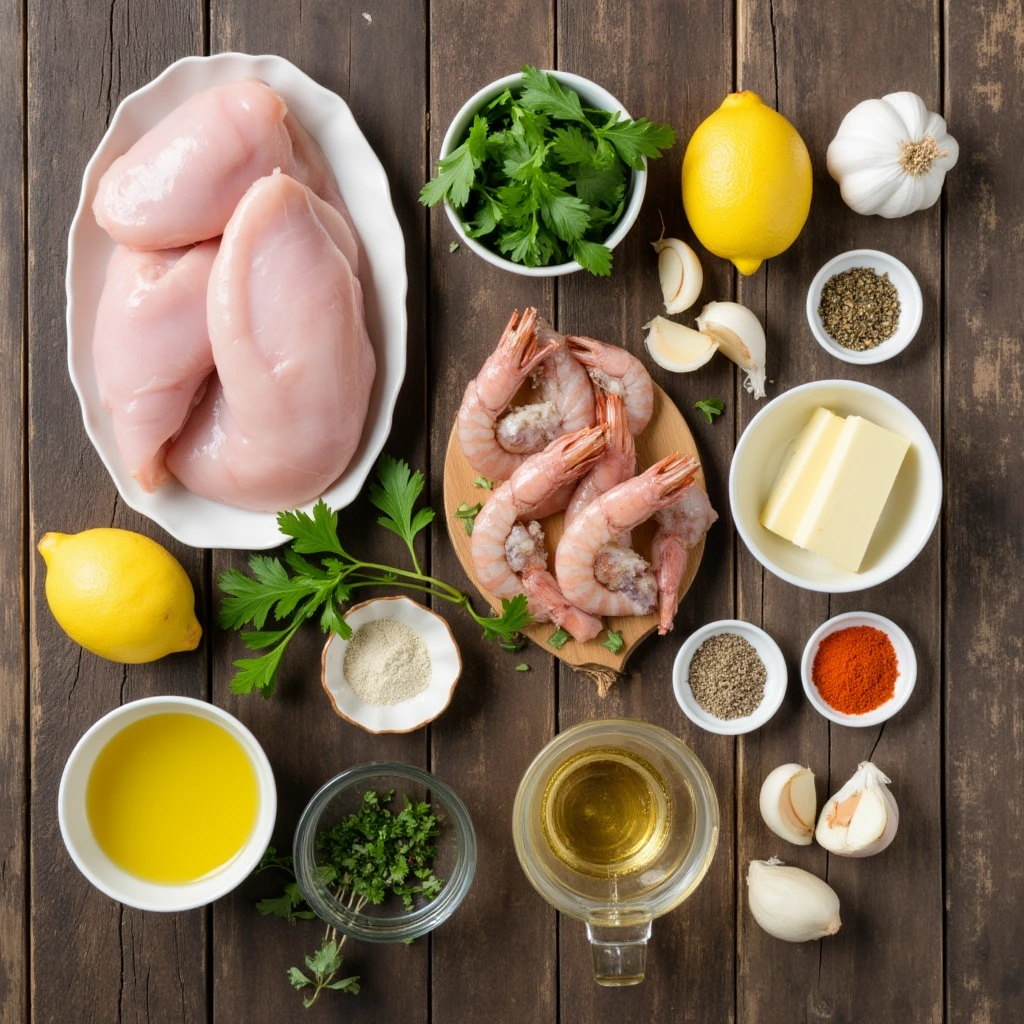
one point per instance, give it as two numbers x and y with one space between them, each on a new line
386 663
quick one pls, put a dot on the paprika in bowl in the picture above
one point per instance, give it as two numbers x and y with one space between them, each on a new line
858 669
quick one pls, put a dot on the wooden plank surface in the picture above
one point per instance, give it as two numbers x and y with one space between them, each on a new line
932 927
984 538
881 963
125 965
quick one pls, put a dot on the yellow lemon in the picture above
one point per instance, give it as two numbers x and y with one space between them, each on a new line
119 594
746 182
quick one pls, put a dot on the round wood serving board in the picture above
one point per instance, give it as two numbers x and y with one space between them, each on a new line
666 433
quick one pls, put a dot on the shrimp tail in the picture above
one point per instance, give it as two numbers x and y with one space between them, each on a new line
519 342
580 450
671 475
613 415
670 558
543 591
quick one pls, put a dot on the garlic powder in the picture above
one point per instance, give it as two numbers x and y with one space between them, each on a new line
386 663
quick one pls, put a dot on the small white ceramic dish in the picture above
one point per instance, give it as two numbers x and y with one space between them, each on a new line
774 687
99 869
411 714
909 515
911 305
905 657
364 185
593 96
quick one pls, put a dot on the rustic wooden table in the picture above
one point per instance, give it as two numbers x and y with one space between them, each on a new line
934 928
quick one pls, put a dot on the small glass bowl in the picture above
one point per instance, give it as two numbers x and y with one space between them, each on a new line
455 861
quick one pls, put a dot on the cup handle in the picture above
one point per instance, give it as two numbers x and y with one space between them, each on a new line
619 952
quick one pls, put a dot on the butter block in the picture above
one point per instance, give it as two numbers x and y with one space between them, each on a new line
796 485
851 493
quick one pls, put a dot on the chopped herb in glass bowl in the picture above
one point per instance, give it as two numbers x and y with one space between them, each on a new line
538 181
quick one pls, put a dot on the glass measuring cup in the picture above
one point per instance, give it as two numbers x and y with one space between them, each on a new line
615 823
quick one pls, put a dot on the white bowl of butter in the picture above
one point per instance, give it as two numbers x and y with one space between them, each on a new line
826 517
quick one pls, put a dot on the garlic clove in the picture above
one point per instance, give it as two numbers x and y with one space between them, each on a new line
862 818
680 272
677 348
740 337
789 804
790 903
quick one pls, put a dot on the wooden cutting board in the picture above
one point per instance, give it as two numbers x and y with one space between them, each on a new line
666 433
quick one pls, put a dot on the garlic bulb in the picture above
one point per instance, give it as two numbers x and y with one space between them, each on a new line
789 804
861 819
790 903
890 156
675 347
740 336
680 273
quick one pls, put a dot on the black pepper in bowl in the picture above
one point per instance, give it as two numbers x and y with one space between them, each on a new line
859 308
727 676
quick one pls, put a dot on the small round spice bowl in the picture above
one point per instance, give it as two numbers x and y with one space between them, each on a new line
775 677
907 288
906 668
397 671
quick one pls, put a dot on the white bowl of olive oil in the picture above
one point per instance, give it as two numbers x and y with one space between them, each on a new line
167 803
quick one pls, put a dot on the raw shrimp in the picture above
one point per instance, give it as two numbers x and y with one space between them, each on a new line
487 396
594 572
680 527
496 447
614 370
502 549
617 464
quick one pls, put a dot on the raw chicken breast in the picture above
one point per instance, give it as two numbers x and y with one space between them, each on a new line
181 181
284 416
151 349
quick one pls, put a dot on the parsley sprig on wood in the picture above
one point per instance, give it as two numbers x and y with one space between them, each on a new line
371 854
542 179
270 604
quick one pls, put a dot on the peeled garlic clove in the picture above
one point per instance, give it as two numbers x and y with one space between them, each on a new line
680 273
675 347
740 336
862 818
790 903
789 804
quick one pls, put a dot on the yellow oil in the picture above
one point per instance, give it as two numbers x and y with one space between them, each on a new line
606 813
172 798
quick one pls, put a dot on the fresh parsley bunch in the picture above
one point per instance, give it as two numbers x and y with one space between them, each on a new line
369 855
542 179
295 588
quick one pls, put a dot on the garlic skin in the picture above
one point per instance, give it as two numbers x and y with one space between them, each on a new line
740 337
790 903
789 804
676 347
862 818
890 156
680 272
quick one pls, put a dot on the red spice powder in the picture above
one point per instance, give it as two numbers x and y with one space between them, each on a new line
855 669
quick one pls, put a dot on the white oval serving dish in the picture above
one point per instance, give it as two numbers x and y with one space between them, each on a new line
906 661
911 305
117 883
364 185
909 516
774 687
409 715
594 95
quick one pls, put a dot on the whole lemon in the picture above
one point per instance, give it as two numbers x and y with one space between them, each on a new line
746 182
119 594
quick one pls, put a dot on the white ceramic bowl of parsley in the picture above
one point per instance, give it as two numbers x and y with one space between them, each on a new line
593 96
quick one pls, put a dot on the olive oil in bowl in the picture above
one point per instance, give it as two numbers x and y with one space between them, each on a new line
172 798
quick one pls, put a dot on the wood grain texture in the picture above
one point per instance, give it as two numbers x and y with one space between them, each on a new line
306 742
13 513
668 62
494 959
984 545
666 434
881 964
125 964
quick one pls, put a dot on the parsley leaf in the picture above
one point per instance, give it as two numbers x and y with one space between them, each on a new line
482 481
593 256
559 639
711 407
633 140
523 667
545 94
613 641
396 495
515 616
455 173
467 513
